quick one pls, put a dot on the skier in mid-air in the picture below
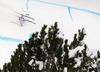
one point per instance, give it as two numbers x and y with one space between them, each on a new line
21 18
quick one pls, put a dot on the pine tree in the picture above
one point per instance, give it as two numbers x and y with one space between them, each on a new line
53 51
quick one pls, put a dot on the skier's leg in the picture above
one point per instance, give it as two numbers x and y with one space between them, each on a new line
21 21
30 21
21 25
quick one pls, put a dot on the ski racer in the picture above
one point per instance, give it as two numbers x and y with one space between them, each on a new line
21 18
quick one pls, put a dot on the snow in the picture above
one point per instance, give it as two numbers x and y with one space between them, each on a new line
78 60
46 13
65 69
55 60
30 63
74 51
40 64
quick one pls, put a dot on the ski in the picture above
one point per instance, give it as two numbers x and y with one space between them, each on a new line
30 21
29 17
25 16
16 23
24 11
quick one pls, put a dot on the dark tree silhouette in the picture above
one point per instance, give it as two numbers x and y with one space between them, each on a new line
53 51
